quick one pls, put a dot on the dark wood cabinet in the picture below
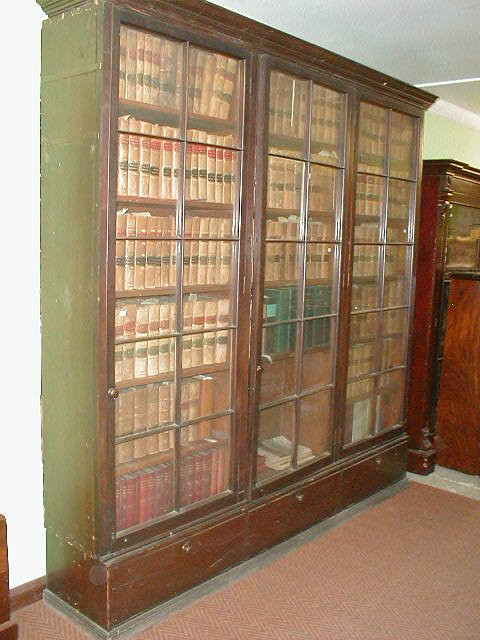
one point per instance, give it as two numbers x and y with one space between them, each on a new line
449 240
228 229
457 436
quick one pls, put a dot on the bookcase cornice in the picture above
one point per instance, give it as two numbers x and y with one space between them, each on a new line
52 7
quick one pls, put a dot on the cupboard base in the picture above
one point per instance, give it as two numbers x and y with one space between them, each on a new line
110 595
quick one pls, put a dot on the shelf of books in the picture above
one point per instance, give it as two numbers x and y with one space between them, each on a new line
300 275
177 236
381 272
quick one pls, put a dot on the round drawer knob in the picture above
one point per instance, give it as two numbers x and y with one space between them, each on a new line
299 497
112 393
187 547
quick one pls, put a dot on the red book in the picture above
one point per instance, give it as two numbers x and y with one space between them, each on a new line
206 473
131 500
214 471
197 477
143 488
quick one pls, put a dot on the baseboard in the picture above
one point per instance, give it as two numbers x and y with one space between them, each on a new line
27 593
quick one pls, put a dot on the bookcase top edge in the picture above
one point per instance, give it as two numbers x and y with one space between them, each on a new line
53 7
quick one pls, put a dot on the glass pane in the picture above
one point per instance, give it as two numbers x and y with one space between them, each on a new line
318 355
284 198
364 330
358 410
325 190
205 460
316 426
150 80
287 115
320 262
140 409
280 304
372 152
144 359
133 222
390 400
141 318
393 341
403 146
149 167
276 427
214 90
278 362
365 277
210 174
327 125
205 395
208 348
145 264
144 495
463 237
319 300
370 203
397 274
212 267
282 263
399 198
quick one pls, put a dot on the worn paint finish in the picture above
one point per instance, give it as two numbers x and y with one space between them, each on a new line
69 281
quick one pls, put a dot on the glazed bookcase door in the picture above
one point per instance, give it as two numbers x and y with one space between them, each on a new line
180 128
300 276
463 238
381 272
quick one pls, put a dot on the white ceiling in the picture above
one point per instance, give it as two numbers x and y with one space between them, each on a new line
418 41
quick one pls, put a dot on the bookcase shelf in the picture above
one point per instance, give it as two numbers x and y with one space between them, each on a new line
182 124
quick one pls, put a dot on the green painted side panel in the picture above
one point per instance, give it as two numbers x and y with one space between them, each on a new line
69 43
69 279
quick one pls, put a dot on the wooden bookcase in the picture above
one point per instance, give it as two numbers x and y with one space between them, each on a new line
449 241
228 227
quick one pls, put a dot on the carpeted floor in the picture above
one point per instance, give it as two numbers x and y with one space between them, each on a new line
405 569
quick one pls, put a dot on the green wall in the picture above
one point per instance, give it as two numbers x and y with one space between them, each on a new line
446 138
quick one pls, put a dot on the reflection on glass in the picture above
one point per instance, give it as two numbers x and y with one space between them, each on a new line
365 278
463 237
324 193
275 449
396 261
213 90
361 359
278 362
318 300
399 197
287 114
316 425
403 146
364 327
320 262
205 460
144 359
144 318
210 173
372 153
205 395
358 410
145 264
318 353
144 495
327 125
151 74
370 202
199 349
393 341
390 400
281 262
212 267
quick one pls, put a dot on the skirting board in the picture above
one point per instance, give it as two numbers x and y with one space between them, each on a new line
157 614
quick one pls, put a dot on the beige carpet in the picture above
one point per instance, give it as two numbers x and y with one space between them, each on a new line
406 569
